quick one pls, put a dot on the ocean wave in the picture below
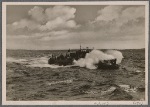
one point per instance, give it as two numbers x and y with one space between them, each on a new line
34 62
17 60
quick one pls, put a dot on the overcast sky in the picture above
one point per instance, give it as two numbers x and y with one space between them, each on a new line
64 27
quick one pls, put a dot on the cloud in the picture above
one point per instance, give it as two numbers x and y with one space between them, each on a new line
55 27
63 12
59 17
54 18
131 14
119 15
117 24
37 13
22 27
109 13
58 23
46 36
119 20
31 25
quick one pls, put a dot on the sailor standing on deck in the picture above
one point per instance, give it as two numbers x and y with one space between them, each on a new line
68 53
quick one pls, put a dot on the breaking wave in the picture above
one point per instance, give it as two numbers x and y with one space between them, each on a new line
95 56
34 62
89 61
117 54
10 59
41 62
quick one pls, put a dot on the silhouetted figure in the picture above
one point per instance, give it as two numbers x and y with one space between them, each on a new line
87 49
69 50
61 56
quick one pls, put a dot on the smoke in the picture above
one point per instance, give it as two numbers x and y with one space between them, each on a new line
95 56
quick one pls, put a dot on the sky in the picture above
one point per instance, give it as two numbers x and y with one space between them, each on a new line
52 27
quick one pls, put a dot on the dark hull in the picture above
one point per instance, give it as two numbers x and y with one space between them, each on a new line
60 62
100 65
105 66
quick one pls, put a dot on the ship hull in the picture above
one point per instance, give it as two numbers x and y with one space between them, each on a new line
100 65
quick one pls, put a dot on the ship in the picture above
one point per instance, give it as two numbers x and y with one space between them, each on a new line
69 57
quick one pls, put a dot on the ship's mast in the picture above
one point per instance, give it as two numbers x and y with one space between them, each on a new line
80 46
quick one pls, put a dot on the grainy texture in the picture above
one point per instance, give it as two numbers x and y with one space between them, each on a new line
75 83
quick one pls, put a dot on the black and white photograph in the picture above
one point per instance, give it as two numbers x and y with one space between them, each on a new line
75 53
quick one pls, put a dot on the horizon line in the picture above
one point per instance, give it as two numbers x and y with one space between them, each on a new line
73 49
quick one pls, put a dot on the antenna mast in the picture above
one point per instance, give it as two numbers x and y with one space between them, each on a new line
80 46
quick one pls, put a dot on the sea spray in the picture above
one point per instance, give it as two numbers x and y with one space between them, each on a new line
117 54
16 60
42 62
33 62
93 58
90 60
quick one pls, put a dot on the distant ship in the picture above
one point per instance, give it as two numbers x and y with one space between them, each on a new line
81 53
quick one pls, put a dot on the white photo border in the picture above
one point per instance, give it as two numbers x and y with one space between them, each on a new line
5 102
